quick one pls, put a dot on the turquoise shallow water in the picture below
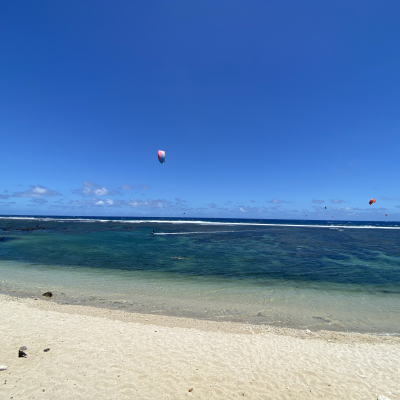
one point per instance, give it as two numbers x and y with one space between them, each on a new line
315 275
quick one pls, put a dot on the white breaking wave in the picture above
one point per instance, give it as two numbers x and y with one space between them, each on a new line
210 223
193 233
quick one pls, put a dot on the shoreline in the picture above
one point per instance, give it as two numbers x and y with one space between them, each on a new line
50 304
61 302
106 354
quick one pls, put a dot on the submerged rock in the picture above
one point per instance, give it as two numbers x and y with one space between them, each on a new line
5 239
47 294
31 229
46 350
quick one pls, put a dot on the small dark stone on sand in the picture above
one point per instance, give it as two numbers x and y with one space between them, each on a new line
48 349
48 294
21 353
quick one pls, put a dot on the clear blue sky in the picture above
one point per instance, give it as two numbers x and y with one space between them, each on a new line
266 109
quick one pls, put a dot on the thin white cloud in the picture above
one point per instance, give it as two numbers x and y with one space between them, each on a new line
277 201
34 191
248 209
337 201
127 187
149 203
96 202
344 209
275 208
38 201
318 201
93 189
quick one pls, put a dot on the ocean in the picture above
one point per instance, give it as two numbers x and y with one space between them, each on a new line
334 275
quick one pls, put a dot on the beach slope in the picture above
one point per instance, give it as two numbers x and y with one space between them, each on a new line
102 354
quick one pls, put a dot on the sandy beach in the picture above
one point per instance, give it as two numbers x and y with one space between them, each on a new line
106 354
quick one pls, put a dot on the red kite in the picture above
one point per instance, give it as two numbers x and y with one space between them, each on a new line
372 201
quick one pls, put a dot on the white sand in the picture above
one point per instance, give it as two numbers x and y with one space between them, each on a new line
102 354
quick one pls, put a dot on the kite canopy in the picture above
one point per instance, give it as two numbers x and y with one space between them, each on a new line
161 156
372 201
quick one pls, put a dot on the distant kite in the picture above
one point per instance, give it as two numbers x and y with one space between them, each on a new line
372 201
386 214
325 208
161 156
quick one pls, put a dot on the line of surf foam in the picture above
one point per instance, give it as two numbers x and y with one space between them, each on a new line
207 233
200 222
262 224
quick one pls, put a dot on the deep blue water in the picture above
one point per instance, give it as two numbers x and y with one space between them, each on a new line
348 258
